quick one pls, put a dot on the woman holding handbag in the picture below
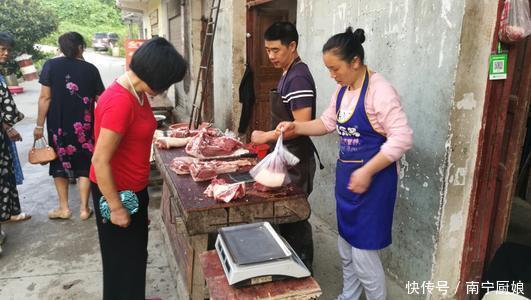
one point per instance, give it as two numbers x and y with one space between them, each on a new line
9 115
70 87
123 128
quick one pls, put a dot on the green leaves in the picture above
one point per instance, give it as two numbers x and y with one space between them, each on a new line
89 13
28 21
43 21
86 17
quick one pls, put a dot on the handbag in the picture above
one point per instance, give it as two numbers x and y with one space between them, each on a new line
129 201
41 155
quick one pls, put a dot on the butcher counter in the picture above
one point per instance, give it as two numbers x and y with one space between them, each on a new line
189 216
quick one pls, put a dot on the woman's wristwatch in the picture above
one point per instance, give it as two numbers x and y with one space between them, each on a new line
39 127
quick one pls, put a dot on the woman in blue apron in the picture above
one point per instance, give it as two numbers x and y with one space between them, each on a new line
366 113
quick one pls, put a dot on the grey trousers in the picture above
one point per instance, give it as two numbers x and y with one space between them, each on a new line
362 270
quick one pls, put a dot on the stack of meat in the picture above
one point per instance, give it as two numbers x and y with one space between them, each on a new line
220 190
210 144
206 170
183 132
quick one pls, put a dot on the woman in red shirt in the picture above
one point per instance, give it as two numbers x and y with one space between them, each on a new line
123 128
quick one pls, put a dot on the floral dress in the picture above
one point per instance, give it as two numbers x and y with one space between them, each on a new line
9 200
74 85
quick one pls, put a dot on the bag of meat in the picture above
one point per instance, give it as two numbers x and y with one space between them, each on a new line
272 171
515 21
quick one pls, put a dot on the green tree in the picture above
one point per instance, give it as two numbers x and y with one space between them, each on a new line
28 21
111 3
86 17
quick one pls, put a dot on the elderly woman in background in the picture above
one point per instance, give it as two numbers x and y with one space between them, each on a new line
124 126
9 115
70 87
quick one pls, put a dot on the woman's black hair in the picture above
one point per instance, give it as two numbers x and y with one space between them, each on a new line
158 64
283 31
69 44
7 39
347 45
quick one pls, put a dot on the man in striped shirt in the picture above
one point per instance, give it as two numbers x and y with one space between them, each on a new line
293 100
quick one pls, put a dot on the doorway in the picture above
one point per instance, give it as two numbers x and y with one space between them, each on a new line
501 174
261 15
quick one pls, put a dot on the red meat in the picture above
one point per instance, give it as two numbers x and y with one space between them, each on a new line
222 191
208 143
202 172
181 165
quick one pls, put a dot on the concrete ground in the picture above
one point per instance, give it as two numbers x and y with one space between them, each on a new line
46 259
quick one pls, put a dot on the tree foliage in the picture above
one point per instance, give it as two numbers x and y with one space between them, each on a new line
86 17
28 21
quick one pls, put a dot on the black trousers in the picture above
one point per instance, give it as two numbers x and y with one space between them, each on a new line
299 236
124 251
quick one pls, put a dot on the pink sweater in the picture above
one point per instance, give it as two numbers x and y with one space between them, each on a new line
384 111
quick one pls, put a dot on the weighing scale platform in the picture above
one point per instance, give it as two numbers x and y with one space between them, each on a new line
219 288
255 253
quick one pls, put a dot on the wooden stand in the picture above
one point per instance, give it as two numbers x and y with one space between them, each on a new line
189 216
304 288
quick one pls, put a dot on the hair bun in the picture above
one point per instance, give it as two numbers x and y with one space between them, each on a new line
349 30
359 35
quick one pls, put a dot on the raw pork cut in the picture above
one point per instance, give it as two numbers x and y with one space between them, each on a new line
202 172
220 190
181 165
210 144
171 142
182 132
206 170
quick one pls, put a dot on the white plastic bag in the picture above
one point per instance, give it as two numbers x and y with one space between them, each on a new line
272 171
515 23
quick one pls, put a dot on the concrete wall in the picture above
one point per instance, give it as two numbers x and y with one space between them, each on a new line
465 124
183 93
415 44
229 59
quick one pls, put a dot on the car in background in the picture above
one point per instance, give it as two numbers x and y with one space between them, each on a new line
104 40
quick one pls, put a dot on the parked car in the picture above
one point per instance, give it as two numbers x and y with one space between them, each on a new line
104 41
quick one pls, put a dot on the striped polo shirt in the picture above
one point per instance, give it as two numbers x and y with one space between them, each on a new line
297 88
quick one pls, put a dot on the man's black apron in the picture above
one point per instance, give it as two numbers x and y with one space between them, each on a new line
301 174
298 234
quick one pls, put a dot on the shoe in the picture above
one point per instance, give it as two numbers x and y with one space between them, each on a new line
85 215
59 214
18 218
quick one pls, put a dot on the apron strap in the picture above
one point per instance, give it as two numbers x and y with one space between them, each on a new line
340 97
321 166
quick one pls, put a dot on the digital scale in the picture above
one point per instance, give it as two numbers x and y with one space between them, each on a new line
254 253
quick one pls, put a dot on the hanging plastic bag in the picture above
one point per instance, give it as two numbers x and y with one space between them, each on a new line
272 171
515 23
